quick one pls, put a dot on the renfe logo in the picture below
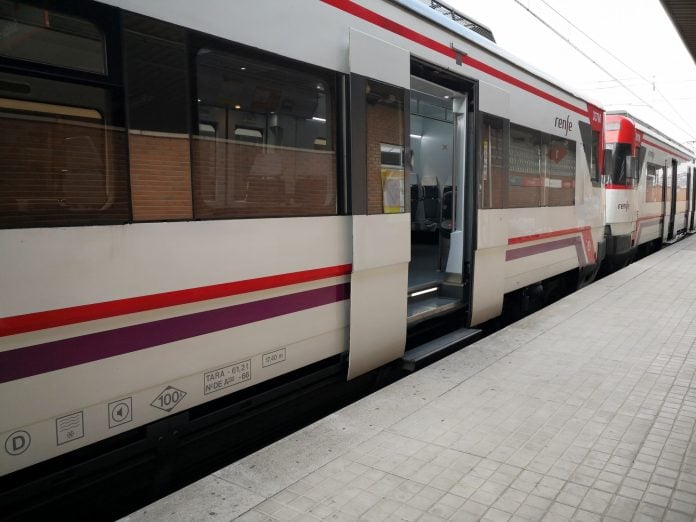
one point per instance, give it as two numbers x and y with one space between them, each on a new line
566 124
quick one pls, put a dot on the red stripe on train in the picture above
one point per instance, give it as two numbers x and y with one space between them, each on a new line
90 312
545 235
664 149
359 11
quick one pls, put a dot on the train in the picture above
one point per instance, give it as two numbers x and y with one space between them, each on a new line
650 193
197 200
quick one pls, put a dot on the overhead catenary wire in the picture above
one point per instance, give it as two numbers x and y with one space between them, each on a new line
641 76
690 132
597 43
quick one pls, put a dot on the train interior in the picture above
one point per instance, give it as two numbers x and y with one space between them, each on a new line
434 175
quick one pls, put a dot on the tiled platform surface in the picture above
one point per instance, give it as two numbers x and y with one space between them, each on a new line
583 411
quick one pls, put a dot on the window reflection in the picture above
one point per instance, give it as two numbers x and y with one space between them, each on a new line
266 142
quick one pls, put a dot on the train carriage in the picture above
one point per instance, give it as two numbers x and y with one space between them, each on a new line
195 201
650 196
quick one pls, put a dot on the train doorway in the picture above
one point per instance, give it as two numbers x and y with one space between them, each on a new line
438 158
672 189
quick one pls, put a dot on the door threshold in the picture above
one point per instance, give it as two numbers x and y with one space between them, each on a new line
426 308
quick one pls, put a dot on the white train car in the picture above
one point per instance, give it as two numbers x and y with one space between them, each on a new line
650 196
198 198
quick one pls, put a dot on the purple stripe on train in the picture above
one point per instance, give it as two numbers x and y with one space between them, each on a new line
56 355
531 250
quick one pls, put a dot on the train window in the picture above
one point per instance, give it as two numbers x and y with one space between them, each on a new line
159 145
594 157
157 80
559 167
63 161
385 142
273 151
621 174
653 183
492 175
590 145
47 37
642 158
682 181
525 181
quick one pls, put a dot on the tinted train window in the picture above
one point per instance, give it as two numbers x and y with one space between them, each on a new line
525 180
158 141
653 183
682 181
620 174
594 159
385 143
492 162
542 169
590 144
266 137
559 163
62 162
63 146
44 36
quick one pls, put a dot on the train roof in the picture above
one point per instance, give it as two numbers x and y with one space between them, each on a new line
646 127
473 31
460 18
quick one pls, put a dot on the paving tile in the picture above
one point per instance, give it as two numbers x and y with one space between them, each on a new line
507 505
632 493
586 516
649 510
561 510
683 507
443 510
622 508
474 508
530 512
674 516
596 501
407 513
572 494
495 515
428 517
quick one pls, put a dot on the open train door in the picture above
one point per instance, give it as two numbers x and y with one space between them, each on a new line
441 217
672 208
381 225
692 195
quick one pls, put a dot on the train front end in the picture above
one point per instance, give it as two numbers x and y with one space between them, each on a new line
622 169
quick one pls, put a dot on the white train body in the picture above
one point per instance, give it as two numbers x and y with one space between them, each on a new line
109 326
651 199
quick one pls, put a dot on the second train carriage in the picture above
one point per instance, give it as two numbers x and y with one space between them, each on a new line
194 202
650 192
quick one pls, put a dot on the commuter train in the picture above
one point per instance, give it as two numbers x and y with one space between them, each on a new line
650 192
194 201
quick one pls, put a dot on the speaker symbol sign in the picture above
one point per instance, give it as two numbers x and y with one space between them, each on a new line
120 412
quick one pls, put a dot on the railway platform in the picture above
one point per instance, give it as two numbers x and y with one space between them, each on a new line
583 411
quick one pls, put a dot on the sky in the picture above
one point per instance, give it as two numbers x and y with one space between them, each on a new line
655 72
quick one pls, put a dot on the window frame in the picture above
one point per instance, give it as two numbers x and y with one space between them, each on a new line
108 20
197 41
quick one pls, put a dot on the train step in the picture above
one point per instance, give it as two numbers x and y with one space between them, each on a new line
448 343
